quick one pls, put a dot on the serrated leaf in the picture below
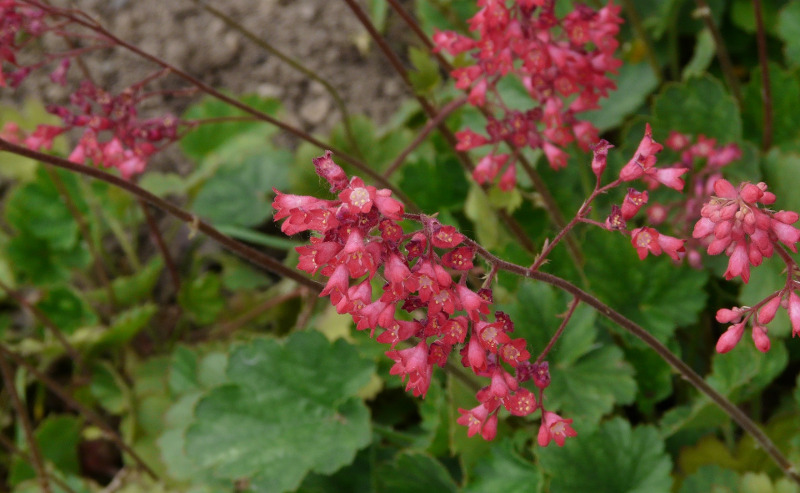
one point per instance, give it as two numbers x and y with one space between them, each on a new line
38 262
614 459
744 371
409 470
634 83
785 87
38 209
287 410
505 470
425 79
653 292
698 106
201 298
129 290
107 387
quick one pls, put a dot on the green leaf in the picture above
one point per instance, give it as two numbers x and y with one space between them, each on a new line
712 479
744 371
478 209
39 263
435 185
785 88
505 470
108 387
781 174
201 298
703 55
126 325
425 79
66 309
587 379
409 470
163 184
788 28
204 139
742 15
37 208
129 290
653 292
614 459
634 83
57 437
287 410
698 106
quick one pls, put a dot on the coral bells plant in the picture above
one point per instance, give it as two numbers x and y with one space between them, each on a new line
358 243
564 64
736 221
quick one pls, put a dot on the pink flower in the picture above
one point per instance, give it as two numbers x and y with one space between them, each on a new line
413 362
554 427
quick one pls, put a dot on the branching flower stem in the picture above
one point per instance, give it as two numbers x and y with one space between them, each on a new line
572 306
676 363
538 183
766 89
84 20
260 259
193 221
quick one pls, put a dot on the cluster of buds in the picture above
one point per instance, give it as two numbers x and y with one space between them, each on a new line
563 63
360 245
646 240
735 221
704 159
19 25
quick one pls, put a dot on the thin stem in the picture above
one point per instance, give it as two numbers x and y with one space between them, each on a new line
682 368
538 183
193 221
557 335
90 415
704 12
766 88
86 21
465 160
446 111
83 227
161 244
22 413
233 24
644 36
47 322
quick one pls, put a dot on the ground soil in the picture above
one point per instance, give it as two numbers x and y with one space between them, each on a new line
322 35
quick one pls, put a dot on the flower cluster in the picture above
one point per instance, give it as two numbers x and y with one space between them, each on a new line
361 248
113 134
563 64
645 239
704 159
736 222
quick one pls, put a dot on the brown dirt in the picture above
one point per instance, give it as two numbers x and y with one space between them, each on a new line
323 35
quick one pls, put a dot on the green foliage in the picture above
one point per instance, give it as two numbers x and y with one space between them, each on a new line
588 378
785 91
425 79
699 106
788 29
409 470
635 82
614 459
201 298
505 470
240 428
